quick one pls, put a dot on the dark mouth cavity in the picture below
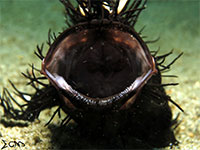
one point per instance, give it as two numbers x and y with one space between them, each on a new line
98 64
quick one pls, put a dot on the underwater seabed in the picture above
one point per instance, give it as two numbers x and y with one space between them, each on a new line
24 24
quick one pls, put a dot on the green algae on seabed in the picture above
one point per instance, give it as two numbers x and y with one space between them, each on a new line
24 24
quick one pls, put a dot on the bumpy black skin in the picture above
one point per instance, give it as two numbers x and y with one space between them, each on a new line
146 124
148 120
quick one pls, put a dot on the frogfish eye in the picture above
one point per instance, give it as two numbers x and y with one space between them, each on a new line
98 65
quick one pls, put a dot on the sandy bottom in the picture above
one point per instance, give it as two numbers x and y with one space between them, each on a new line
24 24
